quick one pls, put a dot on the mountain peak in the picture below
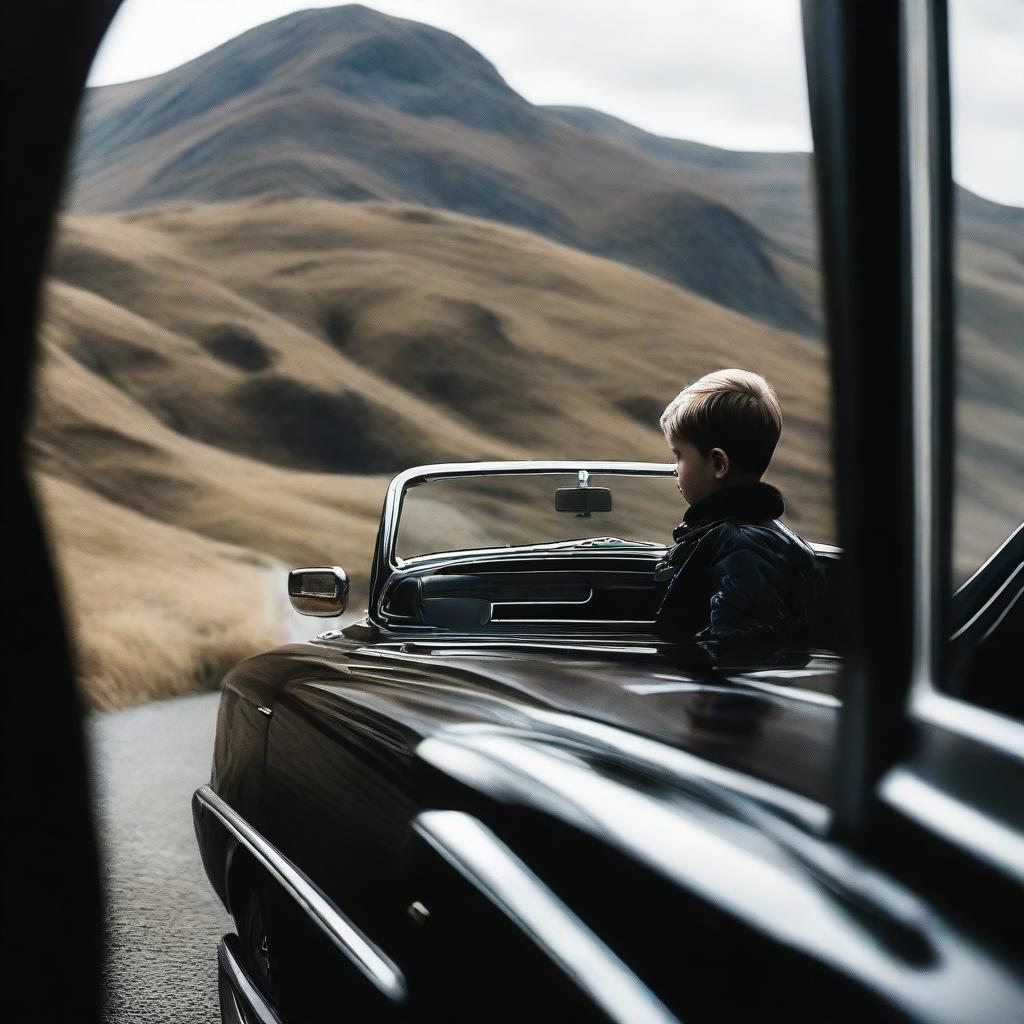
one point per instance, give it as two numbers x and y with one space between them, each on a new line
352 104
372 42
410 67
354 51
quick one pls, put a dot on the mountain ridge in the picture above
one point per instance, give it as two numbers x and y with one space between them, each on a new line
386 109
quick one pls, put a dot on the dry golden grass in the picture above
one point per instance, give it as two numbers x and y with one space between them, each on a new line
438 335
89 432
224 390
989 456
154 609
226 386
216 380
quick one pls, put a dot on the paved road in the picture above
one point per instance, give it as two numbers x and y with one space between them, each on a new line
163 919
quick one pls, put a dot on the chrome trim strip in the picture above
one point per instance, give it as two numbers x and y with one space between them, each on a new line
243 985
488 864
992 598
1002 615
824 549
539 552
976 723
577 622
967 827
769 689
449 647
991 558
586 600
368 958
470 557
919 190
452 646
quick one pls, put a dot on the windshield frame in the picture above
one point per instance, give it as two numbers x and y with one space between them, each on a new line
386 561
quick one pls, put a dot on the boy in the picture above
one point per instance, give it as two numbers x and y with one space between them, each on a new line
737 575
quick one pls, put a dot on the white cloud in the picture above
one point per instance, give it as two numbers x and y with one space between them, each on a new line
725 72
729 72
987 70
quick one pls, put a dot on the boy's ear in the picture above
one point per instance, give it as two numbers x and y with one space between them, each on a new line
719 462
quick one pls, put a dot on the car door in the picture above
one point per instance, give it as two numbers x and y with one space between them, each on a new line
337 803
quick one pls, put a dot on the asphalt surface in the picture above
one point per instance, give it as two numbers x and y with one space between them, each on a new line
163 918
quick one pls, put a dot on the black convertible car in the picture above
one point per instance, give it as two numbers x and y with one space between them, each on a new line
497 795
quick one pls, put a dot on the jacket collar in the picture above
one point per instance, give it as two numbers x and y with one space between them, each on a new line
749 501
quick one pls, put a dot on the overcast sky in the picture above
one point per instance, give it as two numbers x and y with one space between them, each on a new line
726 72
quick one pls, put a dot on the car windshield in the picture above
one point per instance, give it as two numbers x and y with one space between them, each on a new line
511 509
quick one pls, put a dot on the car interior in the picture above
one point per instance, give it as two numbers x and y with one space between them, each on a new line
619 592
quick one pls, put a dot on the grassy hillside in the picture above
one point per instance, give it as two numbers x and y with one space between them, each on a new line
368 337
243 383
340 245
155 609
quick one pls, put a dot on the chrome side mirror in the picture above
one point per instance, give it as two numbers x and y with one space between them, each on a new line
322 592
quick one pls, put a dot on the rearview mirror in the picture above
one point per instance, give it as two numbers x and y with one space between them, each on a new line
322 592
583 500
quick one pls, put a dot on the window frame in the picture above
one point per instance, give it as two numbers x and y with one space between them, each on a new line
879 89
934 787
933 328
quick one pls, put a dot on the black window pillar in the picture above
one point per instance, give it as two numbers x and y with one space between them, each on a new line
855 85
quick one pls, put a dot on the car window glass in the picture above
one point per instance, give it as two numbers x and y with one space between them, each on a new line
987 93
463 513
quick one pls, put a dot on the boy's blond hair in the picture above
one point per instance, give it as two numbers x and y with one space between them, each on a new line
735 410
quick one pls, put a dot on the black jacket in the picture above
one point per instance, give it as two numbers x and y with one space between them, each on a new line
738 577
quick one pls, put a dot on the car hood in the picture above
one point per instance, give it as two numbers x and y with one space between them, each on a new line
672 770
776 724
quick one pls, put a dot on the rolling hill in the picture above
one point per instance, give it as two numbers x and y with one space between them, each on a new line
239 379
363 338
340 245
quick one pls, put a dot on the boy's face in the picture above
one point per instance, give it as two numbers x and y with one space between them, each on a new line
697 475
